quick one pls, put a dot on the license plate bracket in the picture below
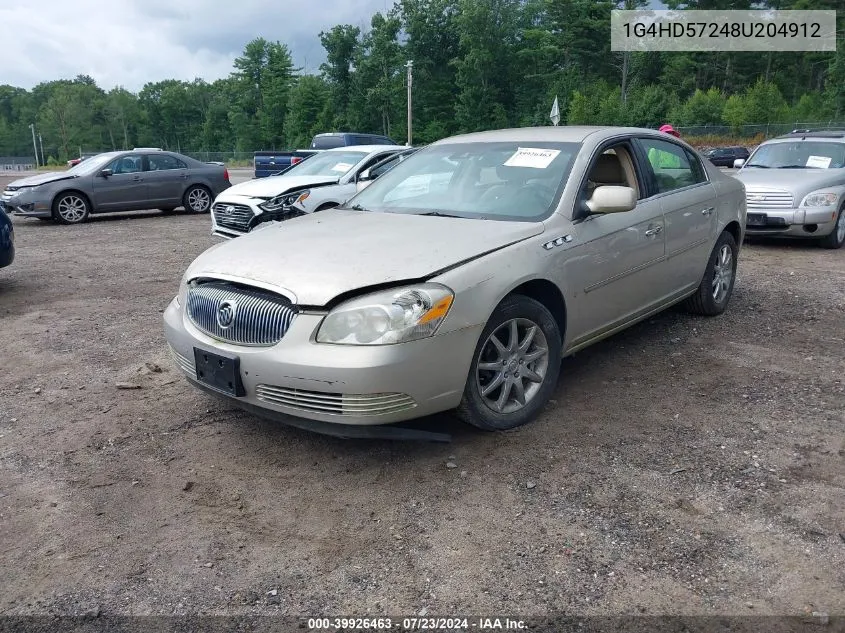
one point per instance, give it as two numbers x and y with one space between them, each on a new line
221 373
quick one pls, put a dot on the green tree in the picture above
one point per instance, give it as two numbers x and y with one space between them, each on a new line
378 98
341 44
307 105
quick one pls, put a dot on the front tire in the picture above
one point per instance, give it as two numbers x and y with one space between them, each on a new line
71 208
713 294
197 199
836 238
515 366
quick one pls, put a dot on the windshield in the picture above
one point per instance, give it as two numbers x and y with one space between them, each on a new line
334 164
92 164
799 155
495 181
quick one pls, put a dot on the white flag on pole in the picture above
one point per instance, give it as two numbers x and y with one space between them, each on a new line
555 113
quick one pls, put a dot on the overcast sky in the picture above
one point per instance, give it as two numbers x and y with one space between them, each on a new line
131 42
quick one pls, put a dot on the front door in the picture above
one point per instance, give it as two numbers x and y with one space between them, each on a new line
618 263
124 189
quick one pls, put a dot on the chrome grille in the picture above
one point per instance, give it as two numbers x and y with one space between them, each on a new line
335 403
235 217
243 316
768 199
183 362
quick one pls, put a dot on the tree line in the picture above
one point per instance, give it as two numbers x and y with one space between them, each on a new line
478 64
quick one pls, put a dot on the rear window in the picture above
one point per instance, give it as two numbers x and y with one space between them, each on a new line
328 142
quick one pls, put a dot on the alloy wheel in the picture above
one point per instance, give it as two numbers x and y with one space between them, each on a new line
72 208
723 273
512 365
198 200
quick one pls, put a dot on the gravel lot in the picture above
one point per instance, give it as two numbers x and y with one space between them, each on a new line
686 466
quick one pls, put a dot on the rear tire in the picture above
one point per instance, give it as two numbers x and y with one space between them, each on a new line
836 238
713 294
514 368
71 207
197 199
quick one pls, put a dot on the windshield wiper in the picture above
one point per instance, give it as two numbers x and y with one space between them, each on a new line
798 167
358 207
440 214
761 166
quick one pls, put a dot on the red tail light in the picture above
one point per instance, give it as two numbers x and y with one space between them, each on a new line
225 173
295 159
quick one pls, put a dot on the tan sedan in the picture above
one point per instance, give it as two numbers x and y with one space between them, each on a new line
459 279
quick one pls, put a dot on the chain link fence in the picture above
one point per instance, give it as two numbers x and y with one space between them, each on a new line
229 158
766 130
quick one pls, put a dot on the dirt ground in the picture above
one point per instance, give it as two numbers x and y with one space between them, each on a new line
686 466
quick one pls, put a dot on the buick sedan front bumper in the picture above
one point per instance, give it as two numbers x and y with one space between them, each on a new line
335 384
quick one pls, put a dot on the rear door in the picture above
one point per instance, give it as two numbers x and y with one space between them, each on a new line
125 189
688 201
166 177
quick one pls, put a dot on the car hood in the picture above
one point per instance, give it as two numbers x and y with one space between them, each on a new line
40 179
799 181
275 185
317 257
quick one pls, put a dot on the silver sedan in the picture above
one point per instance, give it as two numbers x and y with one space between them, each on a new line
144 178
459 279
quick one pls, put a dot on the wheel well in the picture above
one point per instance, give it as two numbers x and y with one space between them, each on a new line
77 192
734 229
201 185
549 295
326 205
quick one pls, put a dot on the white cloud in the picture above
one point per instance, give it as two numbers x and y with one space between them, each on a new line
131 42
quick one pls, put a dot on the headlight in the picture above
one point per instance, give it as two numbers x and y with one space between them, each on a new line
284 201
820 200
391 316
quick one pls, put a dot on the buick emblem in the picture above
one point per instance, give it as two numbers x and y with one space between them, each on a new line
226 313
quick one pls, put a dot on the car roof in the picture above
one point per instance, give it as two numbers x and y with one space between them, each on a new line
560 134
353 133
366 148
815 134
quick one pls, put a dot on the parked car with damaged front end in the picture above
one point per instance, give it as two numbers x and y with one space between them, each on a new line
316 184
459 279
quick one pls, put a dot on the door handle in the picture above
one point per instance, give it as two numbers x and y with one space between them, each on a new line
137 179
654 230
707 211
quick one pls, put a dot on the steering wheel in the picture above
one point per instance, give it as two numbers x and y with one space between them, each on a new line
541 193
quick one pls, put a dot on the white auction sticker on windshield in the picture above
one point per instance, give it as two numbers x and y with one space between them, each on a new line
342 167
818 161
532 157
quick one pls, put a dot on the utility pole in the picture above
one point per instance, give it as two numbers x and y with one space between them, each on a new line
410 67
41 143
34 146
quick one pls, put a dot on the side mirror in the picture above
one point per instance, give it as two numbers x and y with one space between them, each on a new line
612 199
105 173
738 163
